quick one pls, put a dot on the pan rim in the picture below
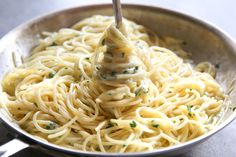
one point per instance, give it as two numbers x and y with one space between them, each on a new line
213 28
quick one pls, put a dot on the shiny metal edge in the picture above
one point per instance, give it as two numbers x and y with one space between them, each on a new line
215 29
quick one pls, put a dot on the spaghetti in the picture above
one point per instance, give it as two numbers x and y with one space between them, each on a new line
94 87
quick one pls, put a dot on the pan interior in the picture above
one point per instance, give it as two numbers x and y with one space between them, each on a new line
204 42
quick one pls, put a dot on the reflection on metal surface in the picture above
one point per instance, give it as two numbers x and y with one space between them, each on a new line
12 147
204 41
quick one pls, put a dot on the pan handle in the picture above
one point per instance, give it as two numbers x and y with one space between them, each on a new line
12 147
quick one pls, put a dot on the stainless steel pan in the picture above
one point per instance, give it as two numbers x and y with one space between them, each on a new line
205 41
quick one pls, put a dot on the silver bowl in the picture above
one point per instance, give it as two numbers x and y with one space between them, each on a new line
205 41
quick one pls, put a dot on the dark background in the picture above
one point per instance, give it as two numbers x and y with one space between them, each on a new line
219 12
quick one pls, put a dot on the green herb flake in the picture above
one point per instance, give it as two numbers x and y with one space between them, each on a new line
125 72
140 91
184 43
124 145
103 76
103 42
35 104
54 44
155 125
190 111
135 69
98 149
122 54
109 53
189 108
234 109
113 73
110 125
133 124
87 58
217 66
51 75
51 126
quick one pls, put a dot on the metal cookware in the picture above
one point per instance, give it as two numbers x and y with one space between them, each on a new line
205 41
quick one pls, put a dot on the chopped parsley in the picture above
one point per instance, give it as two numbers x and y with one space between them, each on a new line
122 54
103 42
51 126
51 75
184 43
125 72
113 73
131 70
138 91
234 109
135 69
155 125
110 54
111 76
103 76
217 66
87 58
54 44
110 125
190 111
124 145
141 90
133 124
35 104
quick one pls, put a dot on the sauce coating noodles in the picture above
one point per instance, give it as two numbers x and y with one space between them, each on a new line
94 87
